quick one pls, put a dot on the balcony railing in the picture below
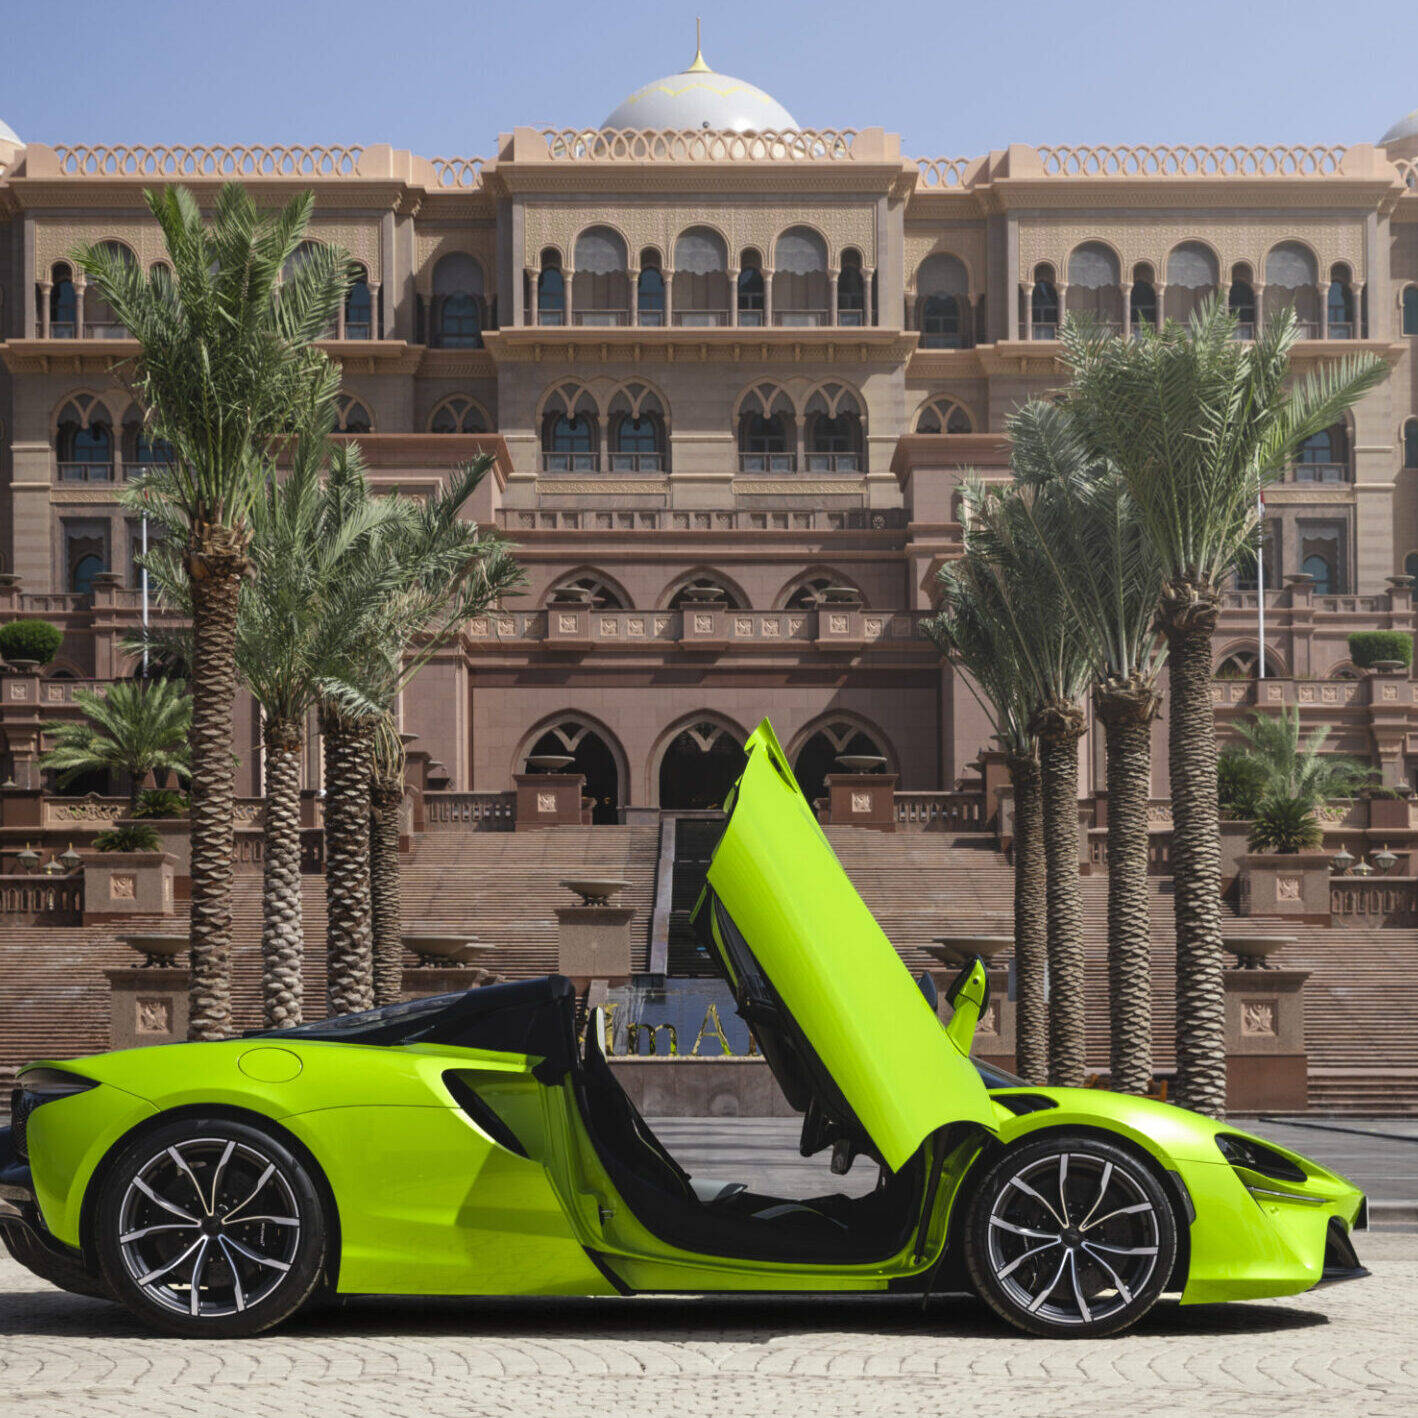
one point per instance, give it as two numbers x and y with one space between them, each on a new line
653 319
768 462
800 318
750 319
1045 330
851 318
571 462
834 462
1342 330
86 472
637 462
104 330
62 330
701 319
1245 330
551 317
1320 473
601 317
358 330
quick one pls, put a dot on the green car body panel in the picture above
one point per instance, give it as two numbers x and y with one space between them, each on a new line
429 1201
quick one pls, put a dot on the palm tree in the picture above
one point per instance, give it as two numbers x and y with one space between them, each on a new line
1291 764
1197 423
136 728
225 358
1050 652
970 629
293 619
434 570
1088 527
386 796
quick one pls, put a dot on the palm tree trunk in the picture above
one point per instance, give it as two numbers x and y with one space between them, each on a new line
215 565
386 797
1059 728
282 933
1127 710
1031 941
349 939
1188 617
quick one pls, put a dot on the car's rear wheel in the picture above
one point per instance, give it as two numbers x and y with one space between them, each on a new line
210 1227
1070 1235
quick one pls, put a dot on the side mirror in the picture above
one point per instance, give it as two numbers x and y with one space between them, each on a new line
968 996
926 984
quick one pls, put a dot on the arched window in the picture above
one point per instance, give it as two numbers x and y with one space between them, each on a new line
1192 279
821 588
458 414
650 289
943 415
1044 304
590 756
1095 290
141 451
601 286
820 752
851 290
1322 546
701 293
800 289
551 291
832 431
63 303
1143 301
1340 313
700 766
1410 565
1245 664
84 442
1248 569
1410 310
352 416
456 317
750 288
1241 301
942 299
1324 456
359 308
570 433
767 432
1410 444
83 571
100 320
637 431
1291 281
704 589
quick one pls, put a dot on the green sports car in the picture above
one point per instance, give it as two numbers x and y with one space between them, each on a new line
470 1145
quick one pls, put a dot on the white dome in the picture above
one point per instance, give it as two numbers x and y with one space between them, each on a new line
700 98
1404 128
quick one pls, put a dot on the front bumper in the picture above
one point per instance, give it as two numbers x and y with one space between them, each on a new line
1341 1261
27 1238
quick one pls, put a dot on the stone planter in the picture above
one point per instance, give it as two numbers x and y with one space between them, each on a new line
122 884
1291 886
1389 814
548 799
147 1006
862 800
593 943
1266 1067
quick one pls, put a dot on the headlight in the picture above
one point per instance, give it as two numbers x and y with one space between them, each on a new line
36 1087
1257 1157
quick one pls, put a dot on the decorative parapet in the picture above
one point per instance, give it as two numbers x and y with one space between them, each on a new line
693 145
936 173
1192 160
463 174
209 161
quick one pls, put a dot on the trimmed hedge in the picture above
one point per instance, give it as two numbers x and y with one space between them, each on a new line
30 640
1368 647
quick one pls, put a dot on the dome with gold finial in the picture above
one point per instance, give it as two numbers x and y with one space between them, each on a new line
700 98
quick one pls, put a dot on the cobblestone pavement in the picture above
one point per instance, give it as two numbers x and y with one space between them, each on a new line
1347 1350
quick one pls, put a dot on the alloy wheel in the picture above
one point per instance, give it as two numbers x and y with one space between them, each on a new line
209 1226
1073 1238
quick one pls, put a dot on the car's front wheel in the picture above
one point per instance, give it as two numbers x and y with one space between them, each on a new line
210 1227
1070 1235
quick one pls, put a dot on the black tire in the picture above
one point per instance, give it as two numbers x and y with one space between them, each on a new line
222 1202
1069 1236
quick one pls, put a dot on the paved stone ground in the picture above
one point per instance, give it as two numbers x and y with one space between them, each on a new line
1347 1350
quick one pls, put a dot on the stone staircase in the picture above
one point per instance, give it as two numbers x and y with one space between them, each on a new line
1361 1003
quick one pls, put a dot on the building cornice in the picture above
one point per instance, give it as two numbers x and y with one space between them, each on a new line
617 344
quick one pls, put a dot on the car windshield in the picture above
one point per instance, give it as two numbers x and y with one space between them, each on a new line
349 1027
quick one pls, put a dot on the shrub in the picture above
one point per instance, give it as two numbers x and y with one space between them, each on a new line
36 640
161 802
1285 825
1240 782
128 837
1368 647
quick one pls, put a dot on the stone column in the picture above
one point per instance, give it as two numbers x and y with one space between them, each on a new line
1161 289
80 287
832 278
734 295
46 290
634 276
147 1005
529 315
862 800
1357 295
1028 310
1062 288
376 328
1126 324
1322 299
593 944
340 317
767 273
668 275
568 286
868 312
548 799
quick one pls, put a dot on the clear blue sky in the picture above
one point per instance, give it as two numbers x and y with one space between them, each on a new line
443 78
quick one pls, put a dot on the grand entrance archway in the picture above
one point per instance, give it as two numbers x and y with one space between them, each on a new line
699 766
592 756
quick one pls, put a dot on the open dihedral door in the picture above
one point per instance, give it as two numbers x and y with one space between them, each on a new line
849 1035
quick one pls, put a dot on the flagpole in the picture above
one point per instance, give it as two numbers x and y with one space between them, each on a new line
1260 579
